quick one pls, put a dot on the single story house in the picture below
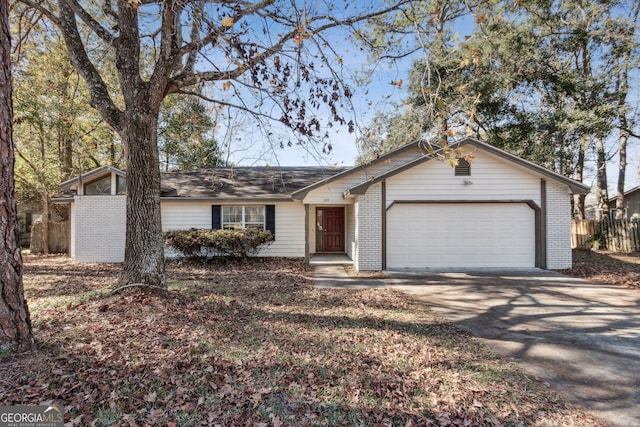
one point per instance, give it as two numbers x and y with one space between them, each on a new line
404 210
631 204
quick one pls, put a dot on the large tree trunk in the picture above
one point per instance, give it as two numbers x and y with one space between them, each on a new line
45 221
144 251
578 199
622 168
602 191
15 324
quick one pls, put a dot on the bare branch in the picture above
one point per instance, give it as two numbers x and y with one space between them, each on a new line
244 108
43 10
86 17
168 58
187 79
98 90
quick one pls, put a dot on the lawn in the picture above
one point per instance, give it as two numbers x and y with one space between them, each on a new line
254 344
607 267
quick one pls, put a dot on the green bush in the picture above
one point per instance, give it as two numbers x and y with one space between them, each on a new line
202 243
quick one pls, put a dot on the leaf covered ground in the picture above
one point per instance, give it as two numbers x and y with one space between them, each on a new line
254 344
621 269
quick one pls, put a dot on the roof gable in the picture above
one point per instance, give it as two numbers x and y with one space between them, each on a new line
574 186
91 176
365 168
627 193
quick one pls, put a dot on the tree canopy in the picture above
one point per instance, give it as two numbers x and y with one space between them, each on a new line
548 81
270 58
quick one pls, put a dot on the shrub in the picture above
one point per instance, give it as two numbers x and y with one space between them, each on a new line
202 243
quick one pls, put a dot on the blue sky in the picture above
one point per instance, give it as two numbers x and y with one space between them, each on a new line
379 96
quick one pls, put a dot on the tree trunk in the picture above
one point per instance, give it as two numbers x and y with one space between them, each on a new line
622 168
602 191
578 199
15 323
144 249
45 221
66 156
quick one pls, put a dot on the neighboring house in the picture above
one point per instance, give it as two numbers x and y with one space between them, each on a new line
406 209
29 213
631 204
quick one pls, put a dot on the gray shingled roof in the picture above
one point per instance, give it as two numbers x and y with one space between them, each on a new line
243 182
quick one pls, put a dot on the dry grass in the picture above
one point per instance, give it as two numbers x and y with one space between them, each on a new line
256 344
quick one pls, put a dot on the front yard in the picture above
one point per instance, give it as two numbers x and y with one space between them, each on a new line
255 344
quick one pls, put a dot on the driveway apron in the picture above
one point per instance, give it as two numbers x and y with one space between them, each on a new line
581 337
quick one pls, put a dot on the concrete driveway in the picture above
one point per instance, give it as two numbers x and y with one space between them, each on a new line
582 338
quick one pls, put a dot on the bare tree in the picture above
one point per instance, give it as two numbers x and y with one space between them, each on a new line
269 58
15 324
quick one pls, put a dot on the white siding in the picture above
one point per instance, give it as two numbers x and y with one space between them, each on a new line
332 193
558 227
185 215
312 229
492 179
289 240
289 231
99 229
350 245
72 230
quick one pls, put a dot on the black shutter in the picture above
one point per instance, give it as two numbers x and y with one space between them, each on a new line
216 217
270 219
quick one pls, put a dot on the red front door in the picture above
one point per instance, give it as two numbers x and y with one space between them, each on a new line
333 229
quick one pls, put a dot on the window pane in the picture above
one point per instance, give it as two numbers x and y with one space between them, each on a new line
99 187
231 214
254 214
239 217
122 185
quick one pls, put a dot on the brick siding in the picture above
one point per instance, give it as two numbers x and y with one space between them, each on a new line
100 223
369 230
558 227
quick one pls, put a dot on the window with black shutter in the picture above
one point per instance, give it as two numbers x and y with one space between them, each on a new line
238 217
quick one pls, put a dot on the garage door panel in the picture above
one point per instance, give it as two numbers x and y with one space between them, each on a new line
460 235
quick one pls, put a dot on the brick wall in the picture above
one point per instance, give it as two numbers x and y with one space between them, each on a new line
369 230
100 228
558 227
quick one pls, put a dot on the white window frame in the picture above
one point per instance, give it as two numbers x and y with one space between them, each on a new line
224 213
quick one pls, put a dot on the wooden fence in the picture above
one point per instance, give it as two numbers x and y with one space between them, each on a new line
618 235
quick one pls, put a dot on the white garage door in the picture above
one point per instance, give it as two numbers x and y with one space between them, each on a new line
460 235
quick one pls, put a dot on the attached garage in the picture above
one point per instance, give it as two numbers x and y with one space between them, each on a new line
458 235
